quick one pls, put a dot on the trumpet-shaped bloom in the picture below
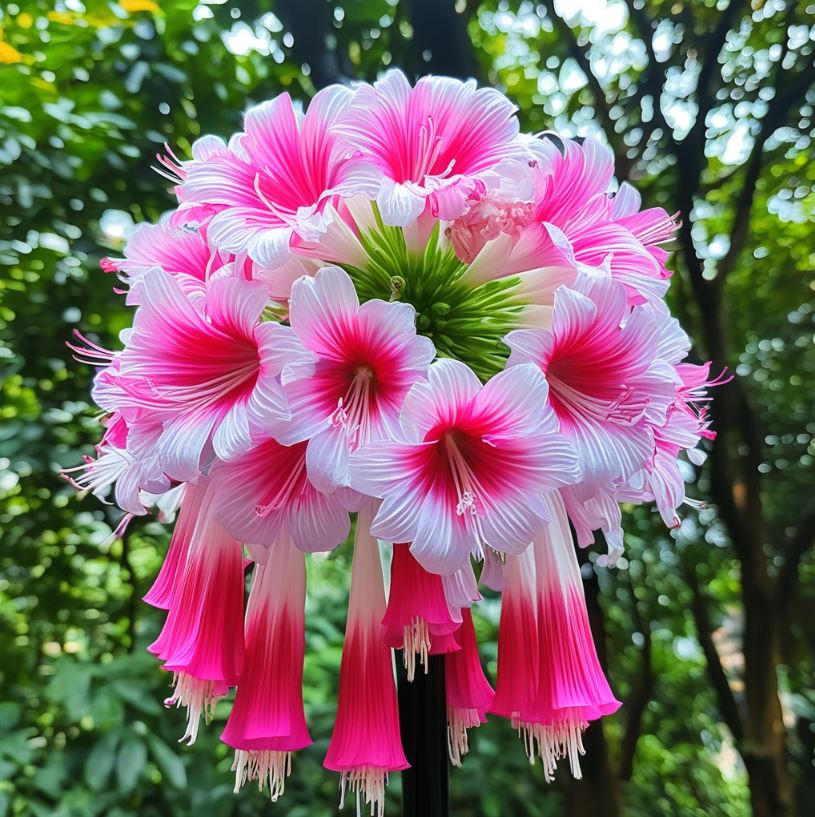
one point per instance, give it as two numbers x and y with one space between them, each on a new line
210 375
359 363
201 642
429 144
469 694
571 689
470 470
273 179
419 621
366 744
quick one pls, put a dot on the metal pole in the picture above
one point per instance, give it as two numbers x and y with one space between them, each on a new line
423 722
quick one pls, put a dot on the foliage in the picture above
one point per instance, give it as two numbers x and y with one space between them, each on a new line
90 91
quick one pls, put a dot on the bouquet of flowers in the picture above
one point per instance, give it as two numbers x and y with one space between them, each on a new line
398 309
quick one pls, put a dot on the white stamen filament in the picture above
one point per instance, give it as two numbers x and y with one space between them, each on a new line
283 496
263 766
458 722
416 641
198 697
370 782
471 495
352 412
552 742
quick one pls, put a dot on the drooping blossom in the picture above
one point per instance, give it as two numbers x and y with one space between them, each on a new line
468 474
366 744
419 619
201 642
357 366
469 694
273 179
571 688
209 374
267 722
426 145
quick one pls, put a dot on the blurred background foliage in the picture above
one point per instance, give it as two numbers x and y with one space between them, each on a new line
708 633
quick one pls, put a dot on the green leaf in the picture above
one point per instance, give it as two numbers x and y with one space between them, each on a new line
169 762
130 763
99 763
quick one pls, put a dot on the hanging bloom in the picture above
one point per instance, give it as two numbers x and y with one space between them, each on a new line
468 475
201 642
419 620
161 593
366 745
359 365
429 144
517 678
274 179
267 722
469 694
605 378
211 376
571 687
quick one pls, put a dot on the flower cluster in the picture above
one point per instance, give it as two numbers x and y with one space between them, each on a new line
395 308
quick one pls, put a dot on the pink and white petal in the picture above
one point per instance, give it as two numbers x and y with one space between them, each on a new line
322 308
272 132
513 401
182 443
449 197
442 544
207 147
236 305
461 588
397 519
528 346
318 523
232 437
400 204
451 385
510 524
222 179
382 466
626 202
308 417
270 247
327 459
232 229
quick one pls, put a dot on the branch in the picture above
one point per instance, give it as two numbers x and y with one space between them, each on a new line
724 694
653 77
580 53
789 91
795 551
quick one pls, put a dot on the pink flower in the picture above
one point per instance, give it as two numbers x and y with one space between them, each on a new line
267 490
469 471
419 620
126 459
201 642
571 689
210 374
182 253
517 678
273 179
469 694
425 145
161 593
606 379
366 744
359 363
267 722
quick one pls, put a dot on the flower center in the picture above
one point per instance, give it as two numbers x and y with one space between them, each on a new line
353 408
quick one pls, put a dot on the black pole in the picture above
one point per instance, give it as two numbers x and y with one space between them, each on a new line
423 722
